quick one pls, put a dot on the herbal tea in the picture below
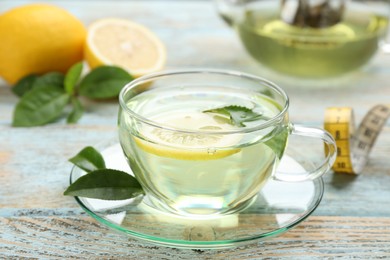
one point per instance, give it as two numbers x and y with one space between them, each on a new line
198 169
312 52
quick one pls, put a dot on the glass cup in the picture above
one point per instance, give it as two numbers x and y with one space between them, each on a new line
309 39
204 142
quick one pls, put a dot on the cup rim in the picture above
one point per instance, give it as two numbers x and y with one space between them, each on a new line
272 121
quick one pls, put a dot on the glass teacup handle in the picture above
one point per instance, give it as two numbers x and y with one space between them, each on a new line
330 157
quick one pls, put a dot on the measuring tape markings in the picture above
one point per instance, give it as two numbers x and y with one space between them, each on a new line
353 147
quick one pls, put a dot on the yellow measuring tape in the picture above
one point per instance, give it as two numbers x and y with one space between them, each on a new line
353 147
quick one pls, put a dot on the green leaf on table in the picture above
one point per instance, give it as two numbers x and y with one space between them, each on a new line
104 82
72 77
24 85
88 159
107 184
40 106
52 79
77 111
237 115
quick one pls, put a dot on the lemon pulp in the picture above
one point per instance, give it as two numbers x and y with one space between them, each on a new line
188 146
126 44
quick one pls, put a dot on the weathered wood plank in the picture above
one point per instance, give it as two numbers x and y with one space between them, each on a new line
82 238
36 221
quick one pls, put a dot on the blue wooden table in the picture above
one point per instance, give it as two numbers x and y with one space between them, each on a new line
36 221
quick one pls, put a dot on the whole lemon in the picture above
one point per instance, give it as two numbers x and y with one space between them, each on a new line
38 38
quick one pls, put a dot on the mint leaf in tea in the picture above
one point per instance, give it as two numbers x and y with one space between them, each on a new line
238 115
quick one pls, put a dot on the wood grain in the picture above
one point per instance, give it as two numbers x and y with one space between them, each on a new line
79 237
36 221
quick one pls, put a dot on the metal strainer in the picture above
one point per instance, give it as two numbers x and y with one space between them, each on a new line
312 13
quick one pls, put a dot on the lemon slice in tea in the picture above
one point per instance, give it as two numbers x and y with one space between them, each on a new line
188 145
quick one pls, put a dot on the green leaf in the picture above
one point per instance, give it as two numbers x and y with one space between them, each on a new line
238 115
72 77
40 106
105 184
104 82
52 79
77 111
278 142
24 85
88 159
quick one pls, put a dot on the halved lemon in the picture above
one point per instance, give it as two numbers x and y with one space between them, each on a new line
126 44
189 146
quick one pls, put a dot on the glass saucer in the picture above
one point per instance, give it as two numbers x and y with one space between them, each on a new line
279 206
